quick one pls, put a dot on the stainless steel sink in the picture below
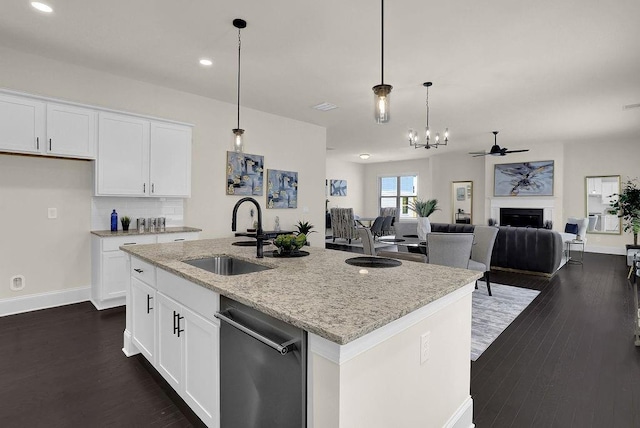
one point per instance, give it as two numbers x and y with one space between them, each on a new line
373 262
225 265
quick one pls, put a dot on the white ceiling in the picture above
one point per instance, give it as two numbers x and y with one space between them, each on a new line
545 71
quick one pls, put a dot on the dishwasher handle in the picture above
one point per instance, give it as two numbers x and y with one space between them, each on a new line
282 348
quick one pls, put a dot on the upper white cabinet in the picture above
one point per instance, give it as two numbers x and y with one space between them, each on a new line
138 157
22 124
37 127
71 131
170 160
123 155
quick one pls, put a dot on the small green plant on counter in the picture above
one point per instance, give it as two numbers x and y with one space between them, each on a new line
423 208
289 243
126 221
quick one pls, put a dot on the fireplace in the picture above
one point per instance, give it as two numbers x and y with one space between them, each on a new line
521 217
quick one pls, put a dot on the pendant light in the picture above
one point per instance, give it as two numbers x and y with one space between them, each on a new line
414 138
238 144
382 92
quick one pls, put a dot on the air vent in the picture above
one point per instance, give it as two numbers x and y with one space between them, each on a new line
325 106
631 106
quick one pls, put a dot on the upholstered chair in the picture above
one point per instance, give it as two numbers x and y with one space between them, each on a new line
376 227
386 212
583 225
343 224
484 239
368 245
406 228
449 249
386 225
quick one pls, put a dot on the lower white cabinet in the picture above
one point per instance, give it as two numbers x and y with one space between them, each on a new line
143 311
110 266
179 324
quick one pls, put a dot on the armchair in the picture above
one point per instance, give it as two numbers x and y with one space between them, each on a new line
343 224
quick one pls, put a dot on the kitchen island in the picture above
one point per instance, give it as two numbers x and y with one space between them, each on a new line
386 347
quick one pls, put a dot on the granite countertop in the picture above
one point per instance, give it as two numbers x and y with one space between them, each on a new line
134 231
319 293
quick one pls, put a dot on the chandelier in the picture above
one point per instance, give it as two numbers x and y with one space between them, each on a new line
414 138
238 144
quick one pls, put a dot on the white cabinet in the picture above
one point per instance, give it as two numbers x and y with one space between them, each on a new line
71 131
110 271
138 157
123 155
609 188
143 307
32 126
22 124
170 160
185 334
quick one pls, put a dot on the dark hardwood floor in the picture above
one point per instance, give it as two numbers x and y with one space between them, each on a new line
567 361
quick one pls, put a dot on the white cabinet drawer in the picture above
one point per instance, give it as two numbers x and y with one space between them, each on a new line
143 271
177 237
113 244
202 300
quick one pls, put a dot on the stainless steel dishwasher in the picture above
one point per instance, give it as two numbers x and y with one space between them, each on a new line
263 369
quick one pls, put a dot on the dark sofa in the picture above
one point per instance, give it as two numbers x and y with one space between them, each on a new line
525 249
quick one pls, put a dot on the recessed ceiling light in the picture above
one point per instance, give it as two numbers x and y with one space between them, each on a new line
365 156
206 62
41 7
325 106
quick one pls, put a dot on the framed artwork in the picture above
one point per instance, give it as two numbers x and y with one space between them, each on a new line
460 193
244 174
338 187
524 179
282 189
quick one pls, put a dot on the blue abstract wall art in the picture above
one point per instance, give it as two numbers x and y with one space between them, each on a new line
244 174
338 188
524 179
282 189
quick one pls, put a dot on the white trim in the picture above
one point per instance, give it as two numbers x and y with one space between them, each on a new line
605 250
50 299
88 106
110 303
128 348
463 416
340 354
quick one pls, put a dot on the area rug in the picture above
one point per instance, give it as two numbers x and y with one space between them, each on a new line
491 315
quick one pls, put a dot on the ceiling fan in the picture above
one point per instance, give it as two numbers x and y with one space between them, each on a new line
495 149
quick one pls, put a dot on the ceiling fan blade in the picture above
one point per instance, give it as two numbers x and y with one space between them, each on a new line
516 151
478 155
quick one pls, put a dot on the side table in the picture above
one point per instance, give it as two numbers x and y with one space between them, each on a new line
580 249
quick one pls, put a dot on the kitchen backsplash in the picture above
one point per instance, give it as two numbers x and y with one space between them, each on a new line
101 207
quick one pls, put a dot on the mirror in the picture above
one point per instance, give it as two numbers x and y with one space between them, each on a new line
462 198
599 192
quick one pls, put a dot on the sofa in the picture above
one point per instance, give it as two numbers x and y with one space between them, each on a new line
519 249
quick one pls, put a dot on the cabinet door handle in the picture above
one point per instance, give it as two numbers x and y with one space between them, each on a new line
144 187
139 270
37 143
153 187
49 144
129 243
179 239
176 323
149 300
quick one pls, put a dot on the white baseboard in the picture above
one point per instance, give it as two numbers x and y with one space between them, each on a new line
463 417
34 302
108 304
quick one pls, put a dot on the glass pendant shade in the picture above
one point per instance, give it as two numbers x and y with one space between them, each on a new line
238 141
381 99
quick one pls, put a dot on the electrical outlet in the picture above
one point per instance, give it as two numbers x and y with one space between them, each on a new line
52 213
424 347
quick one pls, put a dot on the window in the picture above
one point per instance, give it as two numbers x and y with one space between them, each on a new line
396 192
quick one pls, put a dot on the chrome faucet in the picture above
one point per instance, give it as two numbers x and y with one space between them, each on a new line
259 232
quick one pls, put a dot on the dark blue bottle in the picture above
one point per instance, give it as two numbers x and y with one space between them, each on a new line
114 221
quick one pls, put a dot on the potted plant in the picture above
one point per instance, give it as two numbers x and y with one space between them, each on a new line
628 207
125 223
304 228
423 209
289 244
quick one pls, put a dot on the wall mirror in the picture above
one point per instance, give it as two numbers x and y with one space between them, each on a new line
599 191
462 197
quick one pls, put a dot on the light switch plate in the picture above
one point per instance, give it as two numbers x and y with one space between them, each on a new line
52 213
